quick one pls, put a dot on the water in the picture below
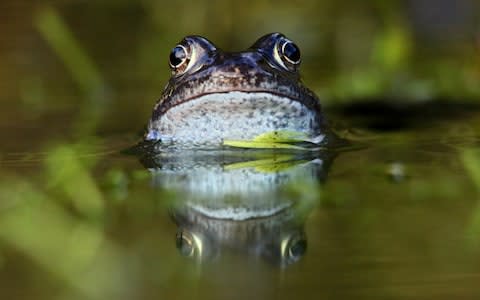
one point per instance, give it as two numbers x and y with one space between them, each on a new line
393 215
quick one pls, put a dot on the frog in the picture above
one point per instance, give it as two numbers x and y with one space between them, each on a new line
214 97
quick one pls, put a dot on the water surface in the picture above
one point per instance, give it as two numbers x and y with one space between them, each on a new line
395 217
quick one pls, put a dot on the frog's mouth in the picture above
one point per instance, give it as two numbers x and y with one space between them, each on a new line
212 119
220 94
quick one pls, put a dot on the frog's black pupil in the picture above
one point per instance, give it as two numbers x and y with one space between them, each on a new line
291 51
298 249
177 56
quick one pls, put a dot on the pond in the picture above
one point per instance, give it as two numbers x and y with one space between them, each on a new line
393 213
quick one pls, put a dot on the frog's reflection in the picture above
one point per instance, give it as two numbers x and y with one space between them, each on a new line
253 203
279 239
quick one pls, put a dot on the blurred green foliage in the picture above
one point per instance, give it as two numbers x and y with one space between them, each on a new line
117 50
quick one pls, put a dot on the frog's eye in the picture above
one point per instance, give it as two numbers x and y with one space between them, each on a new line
188 244
287 54
290 52
292 248
190 54
179 59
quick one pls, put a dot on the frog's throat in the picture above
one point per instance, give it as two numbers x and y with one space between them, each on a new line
215 117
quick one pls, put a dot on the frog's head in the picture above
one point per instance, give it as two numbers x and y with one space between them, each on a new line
215 95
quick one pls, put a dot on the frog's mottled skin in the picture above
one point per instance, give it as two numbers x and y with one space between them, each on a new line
233 96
